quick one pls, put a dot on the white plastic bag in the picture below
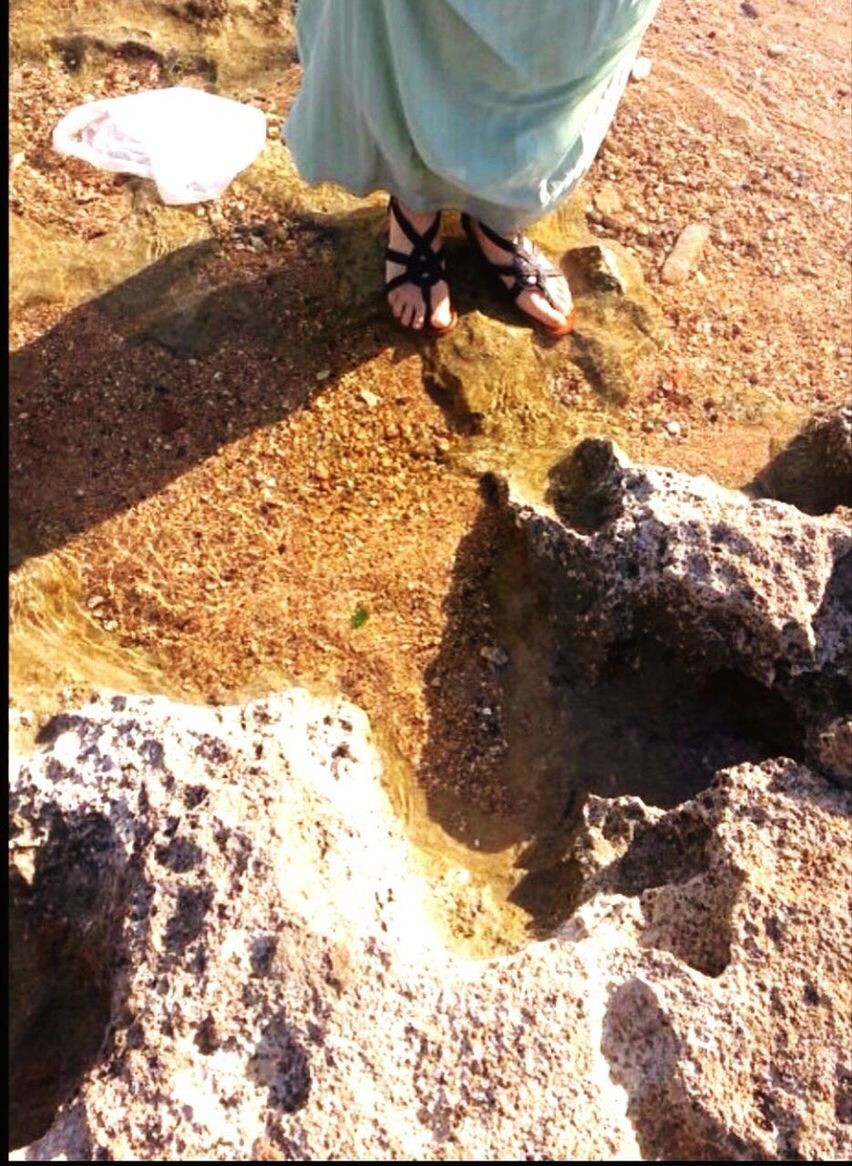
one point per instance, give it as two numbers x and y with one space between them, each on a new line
191 143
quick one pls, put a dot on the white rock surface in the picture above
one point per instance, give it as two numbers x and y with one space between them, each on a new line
278 988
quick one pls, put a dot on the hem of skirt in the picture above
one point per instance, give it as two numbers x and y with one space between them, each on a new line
499 219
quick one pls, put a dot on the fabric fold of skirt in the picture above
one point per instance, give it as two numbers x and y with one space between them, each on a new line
494 107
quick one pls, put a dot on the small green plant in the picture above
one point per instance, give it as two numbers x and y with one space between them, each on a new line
359 616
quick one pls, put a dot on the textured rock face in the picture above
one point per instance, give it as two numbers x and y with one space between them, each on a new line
732 585
813 472
240 909
833 749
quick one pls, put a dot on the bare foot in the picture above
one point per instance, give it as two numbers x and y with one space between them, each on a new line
554 315
408 302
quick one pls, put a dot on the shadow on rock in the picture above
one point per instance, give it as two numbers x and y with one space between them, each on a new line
813 471
64 918
135 387
644 1052
281 1065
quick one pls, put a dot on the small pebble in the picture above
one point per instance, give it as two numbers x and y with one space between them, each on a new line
608 200
776 51
685 253
641 68
672 428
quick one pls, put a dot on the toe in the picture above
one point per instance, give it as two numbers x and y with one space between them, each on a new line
561 294
399 307
542 310
443 313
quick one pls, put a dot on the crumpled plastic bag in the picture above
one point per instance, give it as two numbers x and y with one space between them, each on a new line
192 143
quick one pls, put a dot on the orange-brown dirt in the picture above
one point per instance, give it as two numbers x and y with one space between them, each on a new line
267 492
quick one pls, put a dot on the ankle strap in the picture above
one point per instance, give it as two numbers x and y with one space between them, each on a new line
414 237
498 240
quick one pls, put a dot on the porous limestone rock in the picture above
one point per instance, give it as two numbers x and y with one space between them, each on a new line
228 895
832 747
814 470
729 583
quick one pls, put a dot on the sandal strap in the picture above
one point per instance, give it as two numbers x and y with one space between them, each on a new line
529 268
423 266
414 237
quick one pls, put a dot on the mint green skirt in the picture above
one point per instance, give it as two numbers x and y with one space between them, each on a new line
494 107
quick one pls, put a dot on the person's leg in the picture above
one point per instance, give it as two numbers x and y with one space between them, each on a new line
553 312
407 301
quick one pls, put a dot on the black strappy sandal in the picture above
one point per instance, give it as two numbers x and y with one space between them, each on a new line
424 267
529 269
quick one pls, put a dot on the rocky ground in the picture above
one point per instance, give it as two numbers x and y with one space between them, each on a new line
230 474
255 969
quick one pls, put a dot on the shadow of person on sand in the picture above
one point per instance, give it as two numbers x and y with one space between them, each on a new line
136 386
